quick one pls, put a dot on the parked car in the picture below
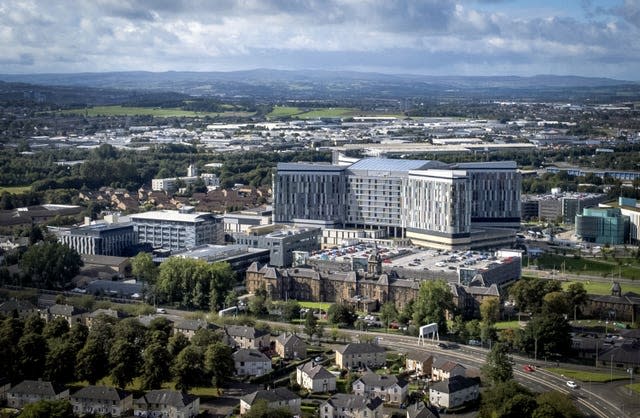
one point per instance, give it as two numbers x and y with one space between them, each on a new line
474 342
529 368
572 384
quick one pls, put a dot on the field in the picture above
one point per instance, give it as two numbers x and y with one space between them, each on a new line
627 268
584 376
603 288
315 113
147 111
315 305
14 189
508 325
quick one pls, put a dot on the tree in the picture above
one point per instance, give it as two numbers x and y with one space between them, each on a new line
218 362
177 343
290 310
498 367
555 303
388 313
506 399
261 409
204 337
555 404
188 368
577 296
56 328
341 314
143 267
60 361
155 366
33 351
50 264
433 301
546 334
124 362
490 310
310 324
528 293
48 409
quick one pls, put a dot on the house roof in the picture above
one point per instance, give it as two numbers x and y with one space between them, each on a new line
244 331
420 410
454 384
166 397
104 393
250 355
350 401
421 356
446 365
107 312
271 395
360 348
37 387
316 371
286 339
380 380
193 324
65 310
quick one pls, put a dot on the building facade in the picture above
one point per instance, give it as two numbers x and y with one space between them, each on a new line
99 239
432 203
280 241
178 230
603 226
360 355
101 400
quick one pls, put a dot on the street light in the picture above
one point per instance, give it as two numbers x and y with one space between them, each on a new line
630 371
611 367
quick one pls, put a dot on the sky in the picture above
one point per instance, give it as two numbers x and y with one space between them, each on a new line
597 38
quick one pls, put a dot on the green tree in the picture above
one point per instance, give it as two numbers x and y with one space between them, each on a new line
388 313
123 362
341 314
56 328
490 310
290 310
48 409
433 301
556 405
555 303
528 293
155 366
50 264
577 296
218 362
310 324
60 361
546 334
33 351
188 368
498 368
177 343
506 399
261 409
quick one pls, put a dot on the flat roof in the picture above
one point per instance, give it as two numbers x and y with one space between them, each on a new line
392 164
171 215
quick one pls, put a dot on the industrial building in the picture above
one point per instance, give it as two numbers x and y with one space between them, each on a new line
99 239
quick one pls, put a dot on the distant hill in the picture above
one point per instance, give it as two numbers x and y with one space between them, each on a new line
270 85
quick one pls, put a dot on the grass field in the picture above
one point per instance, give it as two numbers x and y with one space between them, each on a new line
315 305
628 268
603 288
508 325
634 387
584 376
147 111
314 113
14 189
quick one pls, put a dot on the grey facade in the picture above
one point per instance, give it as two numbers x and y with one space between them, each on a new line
178 230
99 239
432 203
281 244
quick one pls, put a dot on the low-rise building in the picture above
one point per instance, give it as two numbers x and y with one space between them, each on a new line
102 400
31 391
243 336
315 378
92 317
454 392
359 355
420 410
167 403
384 386
342 405
188 327
116 239
419 362
249 362
276 398
443 369
290 346
21 308
69 313
280 240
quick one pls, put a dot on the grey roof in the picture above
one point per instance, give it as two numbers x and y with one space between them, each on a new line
380 380
250 355
486 165
349 401
446 365
316 371
271 395
16 305
454 384
37 387
318 166
286 339
194 324
420 410
107 312
419 355
388 164
360 348
65 310
244 331
109 286
104 393
166 397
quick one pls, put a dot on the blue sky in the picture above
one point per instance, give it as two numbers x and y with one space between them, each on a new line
598 38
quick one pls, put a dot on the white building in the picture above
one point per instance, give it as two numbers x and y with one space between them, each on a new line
342 405
170 184
249 362
276 398
454 392
315 378
386 387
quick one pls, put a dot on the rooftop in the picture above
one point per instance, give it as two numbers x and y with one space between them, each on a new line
389 164
171 216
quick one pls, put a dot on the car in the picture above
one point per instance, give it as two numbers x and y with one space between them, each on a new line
572 384
529 368
318 359
443 345
474 342
161 311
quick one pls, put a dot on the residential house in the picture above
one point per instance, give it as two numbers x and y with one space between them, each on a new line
109 313
358 355
243 336
166 404
19 308
443 369
342 405
420 410
290 346
249 362
69 313
315 378
454 392
101 400
31 391
419 362
188 327
386 387
276 398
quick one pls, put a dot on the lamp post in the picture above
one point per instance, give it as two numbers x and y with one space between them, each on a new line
630 371
611 367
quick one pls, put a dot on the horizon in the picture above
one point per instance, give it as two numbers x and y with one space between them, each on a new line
437 38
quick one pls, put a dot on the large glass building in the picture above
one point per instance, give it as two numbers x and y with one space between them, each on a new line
602 226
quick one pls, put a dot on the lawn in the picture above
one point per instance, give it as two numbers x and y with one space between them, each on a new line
508 325
634 387
602 288
628 268
14 189
284 111
315 305
146 111
584 376
329 112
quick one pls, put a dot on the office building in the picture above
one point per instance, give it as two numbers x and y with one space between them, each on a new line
178 230
602 226
170 184
99 239
434 204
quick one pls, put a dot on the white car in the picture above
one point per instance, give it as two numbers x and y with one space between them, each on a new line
572 384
